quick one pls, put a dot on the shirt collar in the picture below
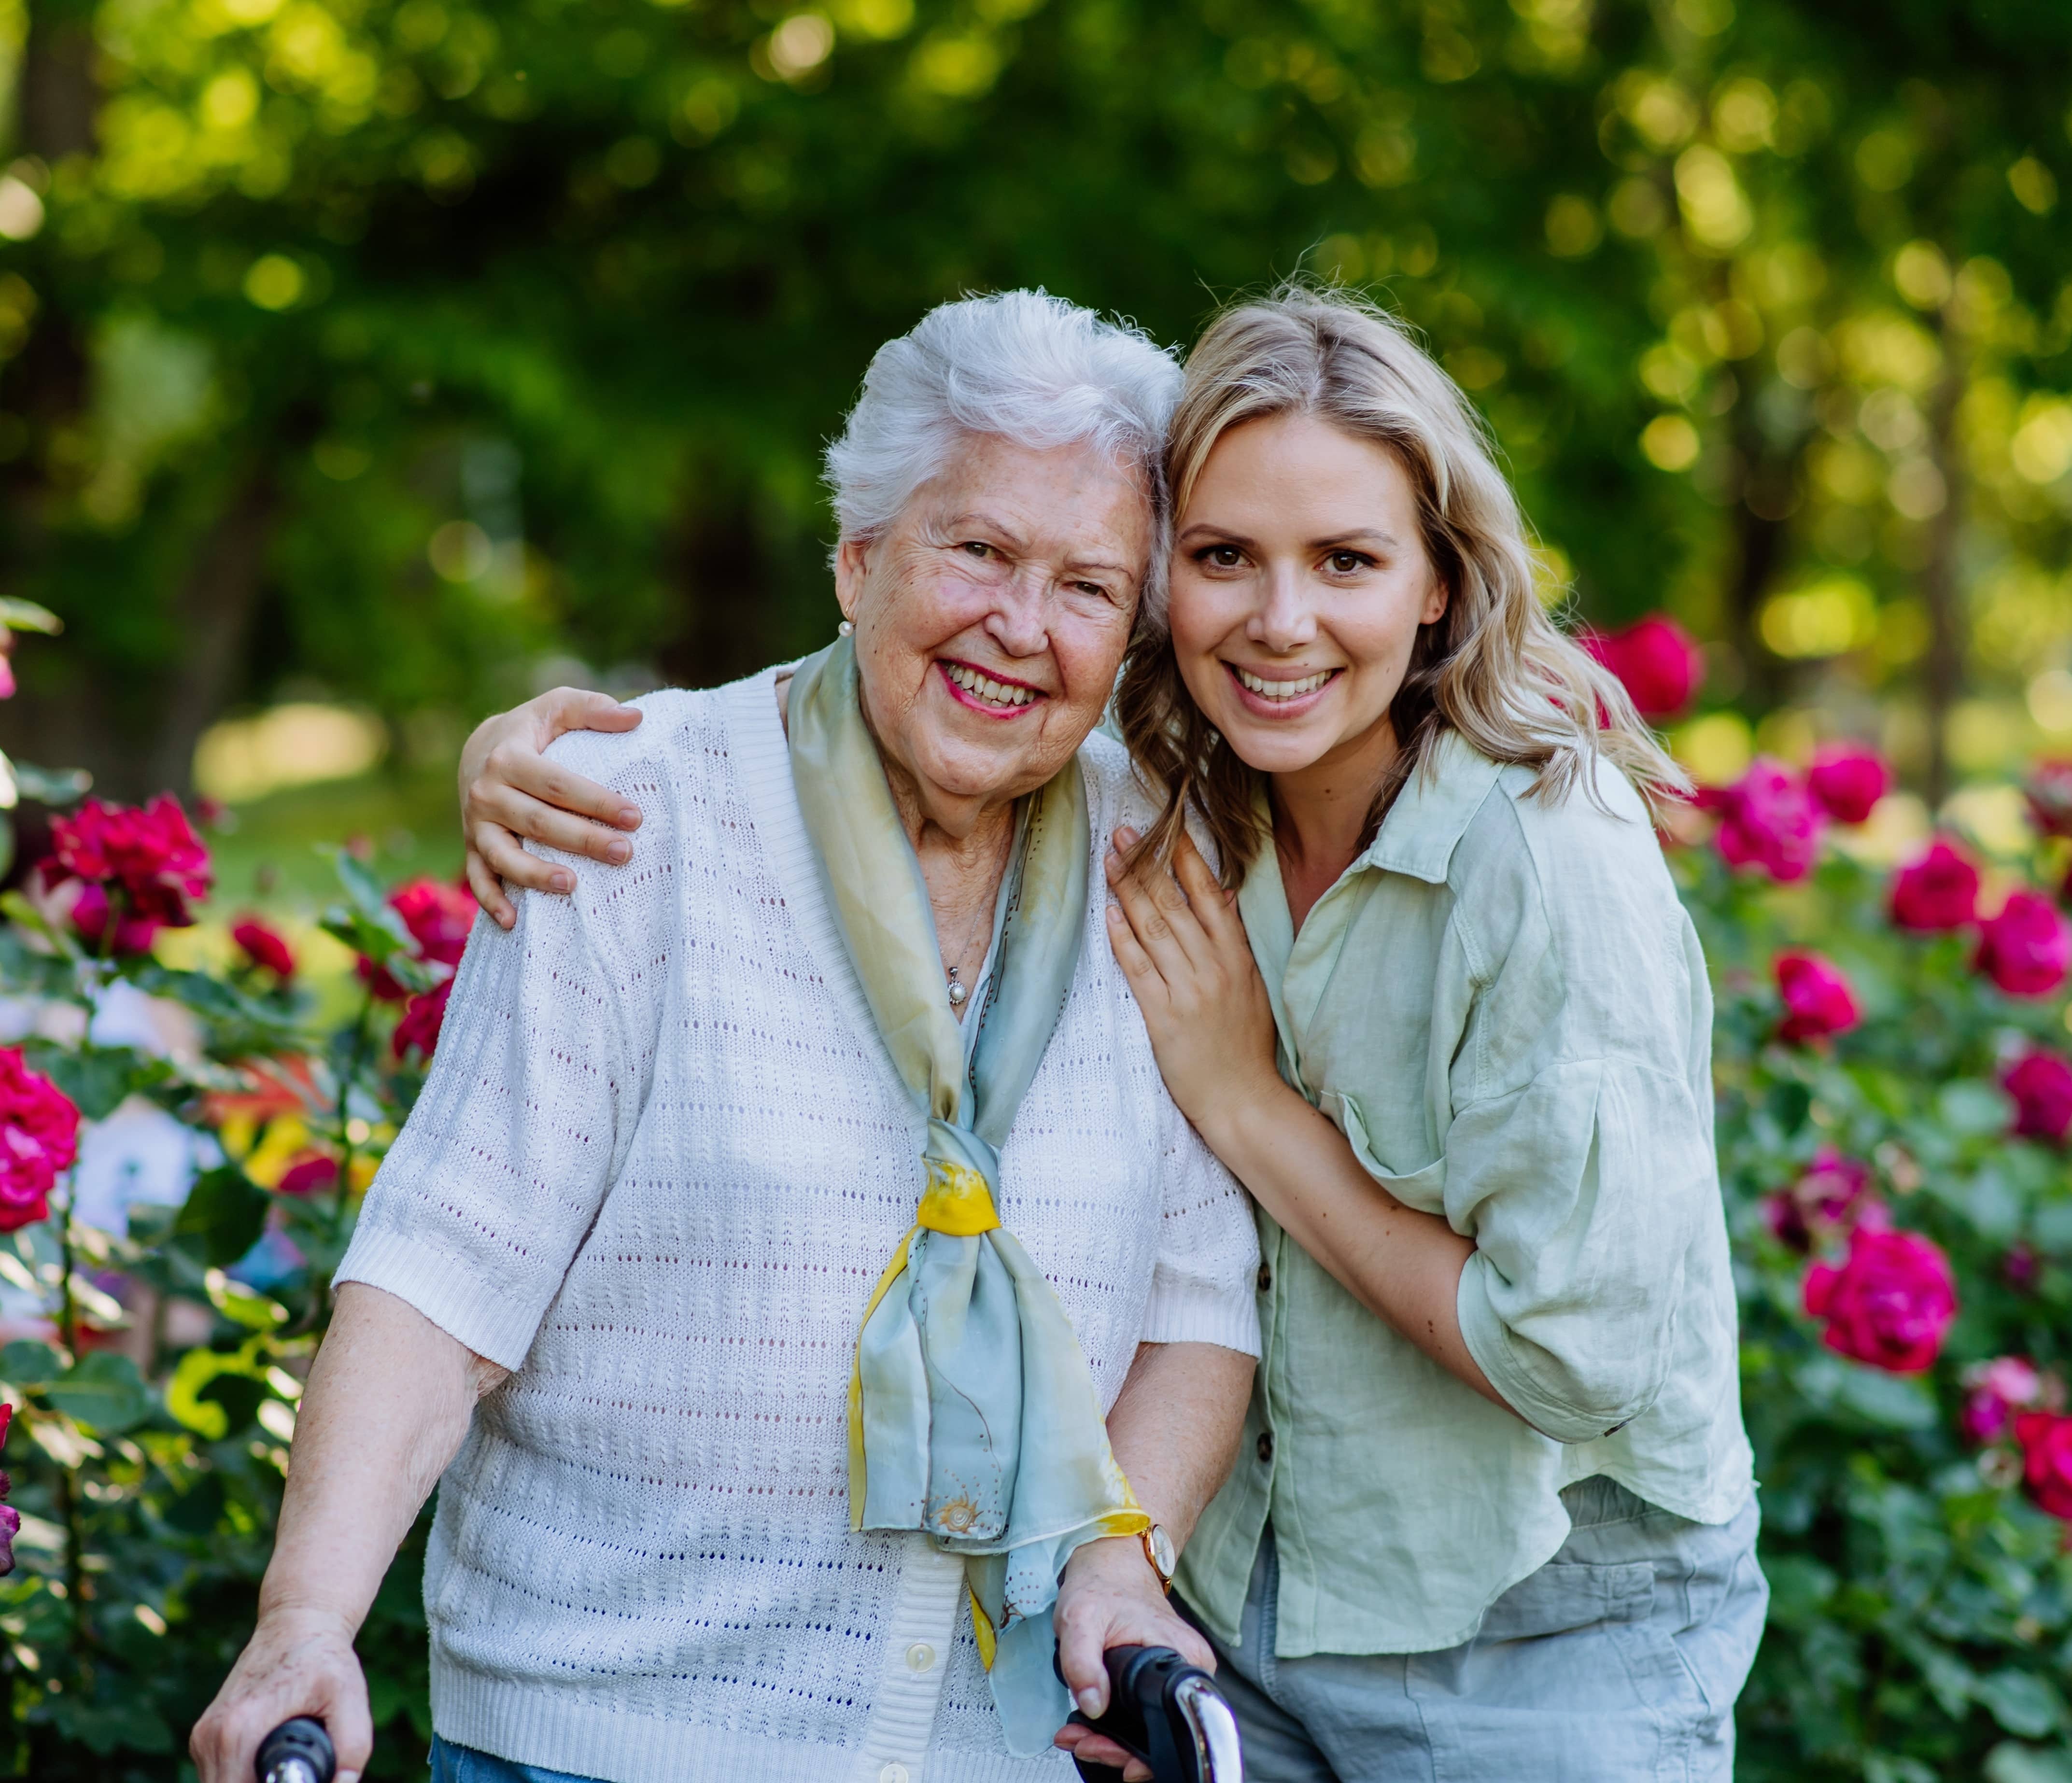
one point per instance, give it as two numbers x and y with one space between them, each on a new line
1432 813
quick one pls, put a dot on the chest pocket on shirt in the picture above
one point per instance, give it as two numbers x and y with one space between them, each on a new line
1423 1189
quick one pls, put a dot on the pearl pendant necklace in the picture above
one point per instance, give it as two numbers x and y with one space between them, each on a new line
958 993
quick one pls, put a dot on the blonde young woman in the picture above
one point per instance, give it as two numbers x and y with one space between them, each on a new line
1494 1514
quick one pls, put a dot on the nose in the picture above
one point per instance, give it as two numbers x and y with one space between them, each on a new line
1020 621
1284 620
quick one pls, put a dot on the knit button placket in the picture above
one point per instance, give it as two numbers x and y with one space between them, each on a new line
920 1657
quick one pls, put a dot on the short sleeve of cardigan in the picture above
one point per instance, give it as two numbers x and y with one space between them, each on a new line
1205 1285
481 1203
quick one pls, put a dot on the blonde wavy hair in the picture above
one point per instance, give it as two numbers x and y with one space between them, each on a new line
1494 667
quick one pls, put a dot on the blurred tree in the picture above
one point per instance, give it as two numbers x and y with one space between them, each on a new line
1749 298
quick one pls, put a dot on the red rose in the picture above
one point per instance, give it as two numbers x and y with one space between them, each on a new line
2041 1083
1767 818
84 904
1937 889
1832 1194
422 1020
149 851
438 917
1998 1390
1848 780
2049 791
308 1175
2046 1456
265 946
39 1138
1655 661
1889 1303
1818 1001
2027 949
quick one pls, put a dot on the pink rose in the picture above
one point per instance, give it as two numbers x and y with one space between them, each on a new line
39 1138
422 1020
1767 818
2046 1438
265 946
308 1175
1997 1391
1655 661
1848 780
2041 1083
1937 889
148 852
1830 1195
1889 1303
438 917
1818 1001
2027 949
2049 791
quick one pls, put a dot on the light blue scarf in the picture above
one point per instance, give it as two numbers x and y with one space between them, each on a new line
972 1416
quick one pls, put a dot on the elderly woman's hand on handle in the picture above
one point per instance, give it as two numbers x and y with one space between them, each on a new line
388 1401
510 793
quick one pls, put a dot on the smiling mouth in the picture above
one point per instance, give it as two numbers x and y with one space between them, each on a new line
975 687
1258 684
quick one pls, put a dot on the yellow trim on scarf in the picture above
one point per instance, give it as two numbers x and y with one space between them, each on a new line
894 1271
956 1202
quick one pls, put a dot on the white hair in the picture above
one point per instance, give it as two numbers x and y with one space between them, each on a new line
1026 367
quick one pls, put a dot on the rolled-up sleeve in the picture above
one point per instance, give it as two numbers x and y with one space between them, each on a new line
1582 1192
482 1201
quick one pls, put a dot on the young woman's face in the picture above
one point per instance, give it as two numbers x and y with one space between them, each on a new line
1299 581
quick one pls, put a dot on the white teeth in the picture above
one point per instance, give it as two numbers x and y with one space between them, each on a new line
1282 690
983 687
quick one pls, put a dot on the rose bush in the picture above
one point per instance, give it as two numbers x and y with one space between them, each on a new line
1901 1216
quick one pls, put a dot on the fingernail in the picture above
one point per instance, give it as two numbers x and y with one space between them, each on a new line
620 852
1090 1702
1128 836
562 882
629 816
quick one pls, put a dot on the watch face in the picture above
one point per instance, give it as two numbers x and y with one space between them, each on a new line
1162 1556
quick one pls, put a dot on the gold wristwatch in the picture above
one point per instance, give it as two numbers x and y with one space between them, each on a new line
1158 1551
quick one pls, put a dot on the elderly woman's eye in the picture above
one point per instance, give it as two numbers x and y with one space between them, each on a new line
977 548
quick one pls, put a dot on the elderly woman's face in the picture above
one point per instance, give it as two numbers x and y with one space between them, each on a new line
991 616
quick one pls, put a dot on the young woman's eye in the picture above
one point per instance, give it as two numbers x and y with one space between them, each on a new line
1346 563
1221 556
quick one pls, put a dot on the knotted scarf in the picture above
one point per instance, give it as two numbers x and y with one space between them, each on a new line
972 1415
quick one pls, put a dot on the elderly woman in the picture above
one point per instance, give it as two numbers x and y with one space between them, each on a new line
763 1470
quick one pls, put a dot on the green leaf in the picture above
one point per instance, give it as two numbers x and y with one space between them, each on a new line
103 1391
2021 1702
227 1211
368 895
1968 1107
2008 1763
56 788
97 1079
26 1362
240 1396
108 1726
17 614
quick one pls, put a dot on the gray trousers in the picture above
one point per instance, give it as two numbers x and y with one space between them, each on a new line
1618 1662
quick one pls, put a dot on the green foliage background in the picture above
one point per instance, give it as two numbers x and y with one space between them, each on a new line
409 355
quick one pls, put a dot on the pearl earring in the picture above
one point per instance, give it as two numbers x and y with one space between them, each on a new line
844 629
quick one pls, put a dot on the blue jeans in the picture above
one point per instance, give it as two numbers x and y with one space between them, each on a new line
1618 1662
452 1764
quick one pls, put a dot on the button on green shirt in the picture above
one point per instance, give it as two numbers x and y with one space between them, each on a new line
1503 1007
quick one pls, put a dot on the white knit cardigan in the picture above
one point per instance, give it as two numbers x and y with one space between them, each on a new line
660 1162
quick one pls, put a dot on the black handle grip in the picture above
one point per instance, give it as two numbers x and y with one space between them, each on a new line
1144 1715
296 1751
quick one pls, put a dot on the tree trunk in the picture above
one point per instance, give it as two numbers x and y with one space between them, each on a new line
728 593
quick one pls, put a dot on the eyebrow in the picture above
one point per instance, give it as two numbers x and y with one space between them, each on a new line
1372 535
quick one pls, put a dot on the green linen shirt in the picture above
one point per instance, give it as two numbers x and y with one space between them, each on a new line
1502 1005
